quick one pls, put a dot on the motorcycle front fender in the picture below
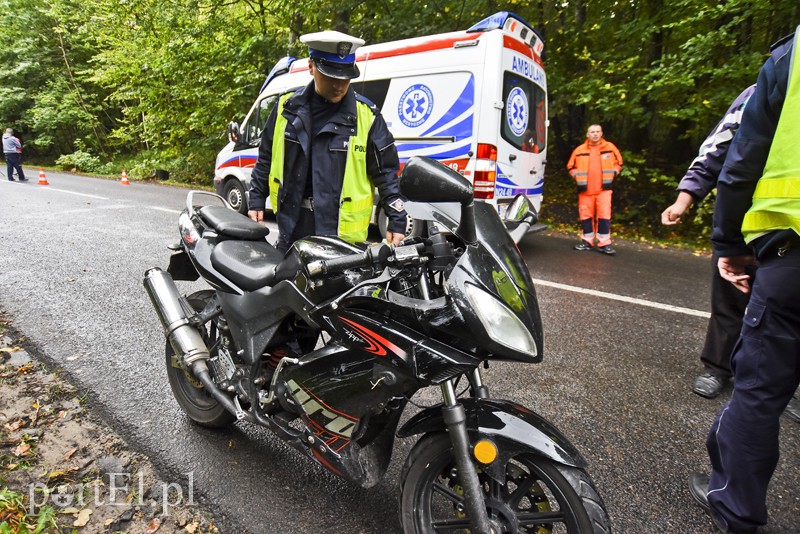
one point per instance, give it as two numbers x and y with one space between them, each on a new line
513 428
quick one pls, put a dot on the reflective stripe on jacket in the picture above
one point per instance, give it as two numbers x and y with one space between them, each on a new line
776 200
610 163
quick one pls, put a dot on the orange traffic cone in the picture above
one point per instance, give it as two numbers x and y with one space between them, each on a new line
124 180
42 178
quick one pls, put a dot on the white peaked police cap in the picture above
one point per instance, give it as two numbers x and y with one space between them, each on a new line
333 53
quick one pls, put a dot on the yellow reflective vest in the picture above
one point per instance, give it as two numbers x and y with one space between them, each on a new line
776 200
355 203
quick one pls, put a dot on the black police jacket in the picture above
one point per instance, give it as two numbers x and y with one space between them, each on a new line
328 150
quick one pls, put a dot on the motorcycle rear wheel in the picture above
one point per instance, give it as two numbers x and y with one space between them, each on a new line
537 497
201 407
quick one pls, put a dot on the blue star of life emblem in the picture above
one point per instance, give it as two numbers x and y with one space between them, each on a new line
415 105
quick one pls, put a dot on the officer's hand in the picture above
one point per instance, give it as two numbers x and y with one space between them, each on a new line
256 215
733 269
394 238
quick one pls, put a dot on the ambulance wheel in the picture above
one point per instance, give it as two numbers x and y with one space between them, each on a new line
235 195
413 227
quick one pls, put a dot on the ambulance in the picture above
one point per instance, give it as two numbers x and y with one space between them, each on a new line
475 100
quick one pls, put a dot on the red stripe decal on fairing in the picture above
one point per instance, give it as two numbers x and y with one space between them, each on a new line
377 344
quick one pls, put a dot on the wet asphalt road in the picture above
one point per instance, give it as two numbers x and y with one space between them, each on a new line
615 378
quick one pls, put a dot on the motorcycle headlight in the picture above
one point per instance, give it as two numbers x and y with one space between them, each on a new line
500 322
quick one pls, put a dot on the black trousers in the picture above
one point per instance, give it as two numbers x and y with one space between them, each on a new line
727 308
305 227
14 161
743 441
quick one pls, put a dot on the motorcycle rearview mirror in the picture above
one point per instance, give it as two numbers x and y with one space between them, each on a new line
426 180
519 217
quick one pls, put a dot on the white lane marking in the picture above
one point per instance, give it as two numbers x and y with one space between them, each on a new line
621 298
95 208
166 210
74 193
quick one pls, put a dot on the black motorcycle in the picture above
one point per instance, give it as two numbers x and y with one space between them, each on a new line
327 345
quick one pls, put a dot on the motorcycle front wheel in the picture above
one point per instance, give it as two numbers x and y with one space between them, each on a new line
537 496
192 397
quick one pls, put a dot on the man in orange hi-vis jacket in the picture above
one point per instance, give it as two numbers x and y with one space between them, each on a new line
594 165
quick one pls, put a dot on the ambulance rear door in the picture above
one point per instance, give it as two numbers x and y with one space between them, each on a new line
520 129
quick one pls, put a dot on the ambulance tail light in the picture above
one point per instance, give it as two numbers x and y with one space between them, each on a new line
485 171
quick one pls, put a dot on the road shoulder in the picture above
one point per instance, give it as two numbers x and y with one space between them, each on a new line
63 468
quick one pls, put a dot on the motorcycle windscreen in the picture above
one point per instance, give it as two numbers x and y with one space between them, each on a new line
494 264
491 233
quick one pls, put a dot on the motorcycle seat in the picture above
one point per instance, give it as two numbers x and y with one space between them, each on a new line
233 224
248 264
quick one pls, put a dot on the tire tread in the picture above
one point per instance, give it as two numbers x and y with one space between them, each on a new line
590 497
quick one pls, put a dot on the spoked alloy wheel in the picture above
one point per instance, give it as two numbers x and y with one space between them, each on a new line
537 496
192 397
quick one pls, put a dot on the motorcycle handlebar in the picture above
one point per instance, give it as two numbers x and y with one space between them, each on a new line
375 255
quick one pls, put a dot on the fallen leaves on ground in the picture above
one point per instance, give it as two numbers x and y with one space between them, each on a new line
83 518
51 441
11 427
22 449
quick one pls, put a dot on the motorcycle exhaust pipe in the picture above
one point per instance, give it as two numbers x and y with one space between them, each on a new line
200 371
182 335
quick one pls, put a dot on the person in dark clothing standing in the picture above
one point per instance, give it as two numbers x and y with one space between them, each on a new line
12 149
727 302
757 218
323 151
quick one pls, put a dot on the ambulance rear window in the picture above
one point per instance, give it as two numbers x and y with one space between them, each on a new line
524 113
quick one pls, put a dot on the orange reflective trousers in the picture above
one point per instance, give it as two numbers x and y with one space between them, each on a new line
594 212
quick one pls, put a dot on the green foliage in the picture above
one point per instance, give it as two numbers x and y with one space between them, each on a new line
79 161
14 517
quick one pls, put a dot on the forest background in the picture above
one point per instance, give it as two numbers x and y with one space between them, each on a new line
101 85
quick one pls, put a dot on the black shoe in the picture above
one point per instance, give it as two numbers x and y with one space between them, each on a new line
708 385
607 249
583 245
793 409
23 179
11 180
698 487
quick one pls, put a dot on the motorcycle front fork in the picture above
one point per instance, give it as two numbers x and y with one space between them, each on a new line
455 418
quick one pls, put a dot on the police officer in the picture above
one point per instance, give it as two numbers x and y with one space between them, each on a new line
323 151
757 216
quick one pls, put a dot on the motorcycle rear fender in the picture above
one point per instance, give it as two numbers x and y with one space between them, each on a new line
513 428
182 268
